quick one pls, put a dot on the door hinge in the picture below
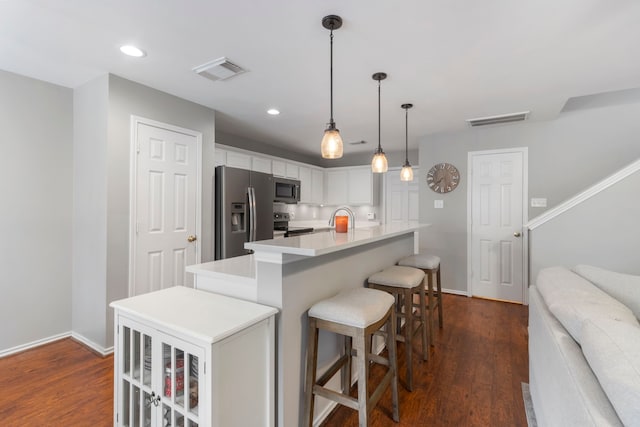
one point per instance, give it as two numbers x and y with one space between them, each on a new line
137 227
137 148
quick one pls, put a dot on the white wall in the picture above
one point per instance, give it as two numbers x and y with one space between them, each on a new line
601 231
89 297
566 156
127 98
36 121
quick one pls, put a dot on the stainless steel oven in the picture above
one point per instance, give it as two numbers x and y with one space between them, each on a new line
286 190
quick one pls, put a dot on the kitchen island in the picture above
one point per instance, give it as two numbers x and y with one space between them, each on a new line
294 273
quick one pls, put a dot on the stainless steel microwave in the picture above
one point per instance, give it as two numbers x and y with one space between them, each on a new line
286 190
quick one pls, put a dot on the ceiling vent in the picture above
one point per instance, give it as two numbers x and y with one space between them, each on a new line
219 69
503 118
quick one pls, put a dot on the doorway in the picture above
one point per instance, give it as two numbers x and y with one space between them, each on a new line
497 210
165 205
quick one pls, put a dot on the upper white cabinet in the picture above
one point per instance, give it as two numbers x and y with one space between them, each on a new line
260 164
238 160
279 168
311 185
351 186
293 171
220 157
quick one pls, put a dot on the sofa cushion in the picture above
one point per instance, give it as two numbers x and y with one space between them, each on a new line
573 299
623 287
612 349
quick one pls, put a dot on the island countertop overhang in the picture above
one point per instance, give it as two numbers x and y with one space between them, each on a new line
322 243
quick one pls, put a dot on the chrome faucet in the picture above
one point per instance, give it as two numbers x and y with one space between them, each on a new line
352 217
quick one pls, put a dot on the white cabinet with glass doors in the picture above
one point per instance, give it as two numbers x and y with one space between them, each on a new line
190 358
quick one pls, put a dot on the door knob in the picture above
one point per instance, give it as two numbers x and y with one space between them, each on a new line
517 234
191 238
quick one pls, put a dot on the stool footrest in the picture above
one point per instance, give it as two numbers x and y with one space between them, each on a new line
337 365
342 399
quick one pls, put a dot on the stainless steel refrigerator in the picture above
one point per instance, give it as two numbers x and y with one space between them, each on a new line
243 210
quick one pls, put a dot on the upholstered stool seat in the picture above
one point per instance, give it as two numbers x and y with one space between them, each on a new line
404 282
357 314
430 264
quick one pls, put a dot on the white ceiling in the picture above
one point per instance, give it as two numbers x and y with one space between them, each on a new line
453 59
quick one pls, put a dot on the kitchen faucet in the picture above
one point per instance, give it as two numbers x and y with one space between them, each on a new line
352 217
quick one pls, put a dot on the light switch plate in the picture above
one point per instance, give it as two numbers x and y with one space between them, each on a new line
538 202
371 215
438 204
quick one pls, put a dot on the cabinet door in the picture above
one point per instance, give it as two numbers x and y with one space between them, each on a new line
220 157
278 168
317 186
183 397
238 160
159 378
360 186
260 164
337 187
293 171
306 185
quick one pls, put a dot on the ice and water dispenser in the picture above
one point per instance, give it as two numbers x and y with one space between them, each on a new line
237 218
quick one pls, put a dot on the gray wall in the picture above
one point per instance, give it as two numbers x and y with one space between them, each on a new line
89 297
36 119
127 98
566 156
601 231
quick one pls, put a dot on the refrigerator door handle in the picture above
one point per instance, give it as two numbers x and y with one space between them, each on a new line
252 214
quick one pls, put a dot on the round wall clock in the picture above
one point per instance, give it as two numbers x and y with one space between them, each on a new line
443 178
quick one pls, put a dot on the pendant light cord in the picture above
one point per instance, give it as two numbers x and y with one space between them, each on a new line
331 77
406 135
379 145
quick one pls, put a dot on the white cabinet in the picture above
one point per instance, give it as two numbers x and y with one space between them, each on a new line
191 358
220 157
260 164
238 160
317 186
293 171
351 186
311 185
279 168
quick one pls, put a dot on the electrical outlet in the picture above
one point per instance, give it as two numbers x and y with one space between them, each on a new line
438 204
371 215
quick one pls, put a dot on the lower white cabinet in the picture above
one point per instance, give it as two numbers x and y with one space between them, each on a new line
185 357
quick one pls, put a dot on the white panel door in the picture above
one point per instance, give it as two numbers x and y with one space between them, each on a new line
496 226
401 199
166 208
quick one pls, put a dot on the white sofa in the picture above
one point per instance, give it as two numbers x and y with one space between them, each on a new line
584 347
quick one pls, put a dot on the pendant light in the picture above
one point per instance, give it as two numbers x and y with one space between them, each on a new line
331 147
406 174
379 162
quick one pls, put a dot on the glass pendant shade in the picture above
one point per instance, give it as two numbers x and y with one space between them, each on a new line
331 146
379 163
406 174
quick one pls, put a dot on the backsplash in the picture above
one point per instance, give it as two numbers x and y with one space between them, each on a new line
304 212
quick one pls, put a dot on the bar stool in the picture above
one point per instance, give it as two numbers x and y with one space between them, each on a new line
403 283
430 264
357 314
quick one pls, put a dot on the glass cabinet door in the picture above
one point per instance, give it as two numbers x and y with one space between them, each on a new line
136 364
182 364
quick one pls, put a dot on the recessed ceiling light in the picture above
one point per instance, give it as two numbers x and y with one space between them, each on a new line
132 51
273 111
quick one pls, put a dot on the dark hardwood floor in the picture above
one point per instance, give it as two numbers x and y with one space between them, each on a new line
472 378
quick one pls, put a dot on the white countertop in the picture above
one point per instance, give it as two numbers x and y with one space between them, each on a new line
217 317
323 224
329 241
240 268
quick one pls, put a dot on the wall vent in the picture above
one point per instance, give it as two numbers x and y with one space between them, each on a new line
503 118
219 69
358 142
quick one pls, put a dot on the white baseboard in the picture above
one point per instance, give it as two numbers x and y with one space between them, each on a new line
74 335
33 344
455 292
103 351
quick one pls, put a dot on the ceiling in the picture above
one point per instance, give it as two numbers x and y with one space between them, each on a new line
453 60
